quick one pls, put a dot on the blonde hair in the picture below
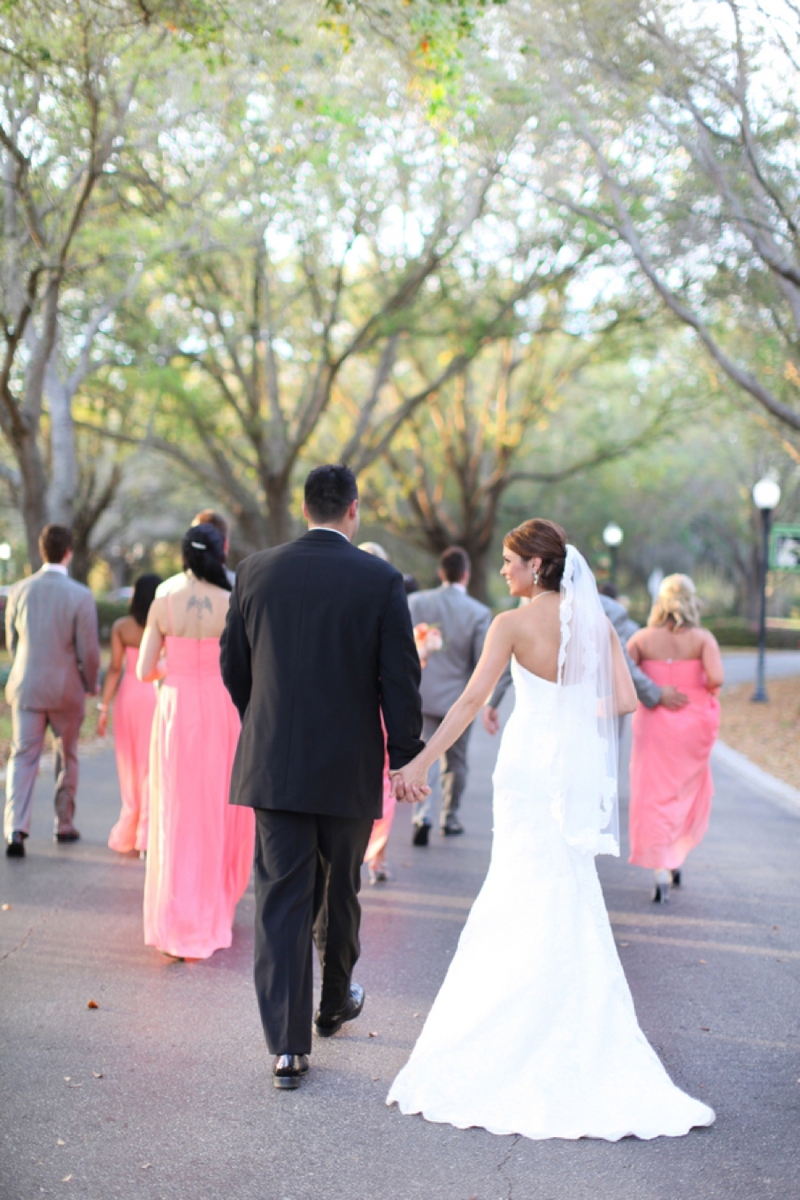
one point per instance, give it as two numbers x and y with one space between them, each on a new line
374 549
677 601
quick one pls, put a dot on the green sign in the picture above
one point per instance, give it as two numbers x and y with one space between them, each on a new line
785 548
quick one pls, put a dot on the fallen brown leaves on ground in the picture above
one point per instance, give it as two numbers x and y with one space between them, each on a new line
768 734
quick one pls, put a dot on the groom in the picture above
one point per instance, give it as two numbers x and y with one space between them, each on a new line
318 643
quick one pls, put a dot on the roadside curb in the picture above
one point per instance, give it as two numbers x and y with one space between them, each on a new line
774 789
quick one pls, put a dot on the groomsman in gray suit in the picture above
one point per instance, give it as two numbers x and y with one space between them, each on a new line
51 630
463 623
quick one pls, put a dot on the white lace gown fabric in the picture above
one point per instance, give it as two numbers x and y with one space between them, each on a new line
533 1031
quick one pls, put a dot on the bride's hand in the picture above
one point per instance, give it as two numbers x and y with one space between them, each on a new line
410 783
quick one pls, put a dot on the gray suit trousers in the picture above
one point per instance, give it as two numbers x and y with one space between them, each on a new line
450 784
29 727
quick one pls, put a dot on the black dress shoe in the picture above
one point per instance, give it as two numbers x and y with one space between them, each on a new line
676 878
288 1070
421 834
71 835
15 847
451 827
328 1026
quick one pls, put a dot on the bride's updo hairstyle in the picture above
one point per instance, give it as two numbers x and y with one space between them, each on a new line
677 603
203 550
543 539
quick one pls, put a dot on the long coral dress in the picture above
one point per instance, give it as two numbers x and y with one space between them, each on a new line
134 707
671 784
199 848
383 826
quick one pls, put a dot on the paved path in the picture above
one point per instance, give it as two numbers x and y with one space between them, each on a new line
740 666
163 1092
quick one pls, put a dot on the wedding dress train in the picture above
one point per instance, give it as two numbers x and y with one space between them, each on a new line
534 1031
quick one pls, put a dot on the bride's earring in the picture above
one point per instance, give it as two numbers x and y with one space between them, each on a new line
535 578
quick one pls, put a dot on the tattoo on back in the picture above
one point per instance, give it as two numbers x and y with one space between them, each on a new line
201 603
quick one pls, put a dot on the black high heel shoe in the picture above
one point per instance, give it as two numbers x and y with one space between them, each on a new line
676 878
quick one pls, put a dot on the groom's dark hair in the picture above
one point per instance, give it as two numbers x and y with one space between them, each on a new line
329 492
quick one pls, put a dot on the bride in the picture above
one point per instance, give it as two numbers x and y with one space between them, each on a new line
534 1030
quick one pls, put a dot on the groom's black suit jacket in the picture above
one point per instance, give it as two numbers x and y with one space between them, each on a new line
317 643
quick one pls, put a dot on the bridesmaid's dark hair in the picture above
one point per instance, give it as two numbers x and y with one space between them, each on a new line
203 550
144 593
542 539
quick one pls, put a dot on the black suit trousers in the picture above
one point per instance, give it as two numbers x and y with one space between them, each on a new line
307 880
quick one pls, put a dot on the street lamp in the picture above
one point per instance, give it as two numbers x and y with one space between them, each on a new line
612 536
766 496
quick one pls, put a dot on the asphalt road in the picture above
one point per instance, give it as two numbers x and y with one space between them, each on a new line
163 1092
740 666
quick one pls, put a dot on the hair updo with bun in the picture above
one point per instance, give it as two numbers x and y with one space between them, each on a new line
539 538
203 549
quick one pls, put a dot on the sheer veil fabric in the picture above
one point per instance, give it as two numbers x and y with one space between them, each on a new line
534 1030
582 778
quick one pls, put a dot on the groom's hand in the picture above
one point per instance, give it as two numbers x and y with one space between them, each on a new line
672 699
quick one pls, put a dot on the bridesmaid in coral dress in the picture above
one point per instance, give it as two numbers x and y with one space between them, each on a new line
199 848
133 719
671 784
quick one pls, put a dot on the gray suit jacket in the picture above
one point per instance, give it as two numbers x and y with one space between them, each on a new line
648 692
51 630
463 623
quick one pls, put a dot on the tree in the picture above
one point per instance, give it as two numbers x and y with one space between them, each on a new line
341 227
65 115
663 125
499 425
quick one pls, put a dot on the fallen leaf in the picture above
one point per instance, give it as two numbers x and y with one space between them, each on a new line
74 1085
373 1035
146 1165
416 1014
375 1078
701 962
623 943
706 1028
97 1074
92 1004
66 1179
775 928
6 907
61 1142
67 1078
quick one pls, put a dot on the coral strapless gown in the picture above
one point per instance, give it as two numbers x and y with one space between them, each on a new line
534 1030
134 706
671 784
199 848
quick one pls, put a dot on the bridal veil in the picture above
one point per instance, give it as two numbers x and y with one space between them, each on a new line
583 770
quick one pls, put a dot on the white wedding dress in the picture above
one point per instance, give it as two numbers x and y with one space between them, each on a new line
533 1031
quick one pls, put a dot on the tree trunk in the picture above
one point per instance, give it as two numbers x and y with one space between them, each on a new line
63 458
479 574
33 492
280 526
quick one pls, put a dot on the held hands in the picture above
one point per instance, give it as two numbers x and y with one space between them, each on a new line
672 699
410 783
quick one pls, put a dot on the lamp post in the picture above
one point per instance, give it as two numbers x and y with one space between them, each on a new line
612 536
766 495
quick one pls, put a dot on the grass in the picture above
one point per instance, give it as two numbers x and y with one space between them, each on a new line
768 734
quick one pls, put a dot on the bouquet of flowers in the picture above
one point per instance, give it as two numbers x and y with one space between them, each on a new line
428 639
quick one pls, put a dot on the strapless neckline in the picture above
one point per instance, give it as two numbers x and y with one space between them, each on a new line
532 674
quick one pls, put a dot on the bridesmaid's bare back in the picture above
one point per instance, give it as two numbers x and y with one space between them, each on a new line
195 609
